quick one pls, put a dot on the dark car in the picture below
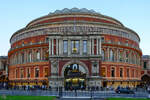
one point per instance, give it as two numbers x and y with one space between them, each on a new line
124 90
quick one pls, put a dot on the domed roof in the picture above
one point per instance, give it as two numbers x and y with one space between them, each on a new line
82 14
74 16
74 10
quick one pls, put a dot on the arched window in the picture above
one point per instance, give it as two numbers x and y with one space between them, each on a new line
30 57
111 55
120 56
22 57
65 46
103 55
133 58
128 74
130 58
112 72
22 73
138 60
38 55
127 56
75 46
121 72
36 72
17 59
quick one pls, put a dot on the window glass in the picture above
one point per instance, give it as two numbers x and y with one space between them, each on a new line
85 46
65 43
38 55
113 72
28 72
22 73
30 57
120 56
111 54
22 57
46 72
36 72
127 72
75 46
103 72
102 39
103 55
121 72
145 65
127 56
16 73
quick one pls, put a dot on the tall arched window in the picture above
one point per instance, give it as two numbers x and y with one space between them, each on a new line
38 55
111 55
30 57
127 56
103 55
121 72
130 56
133 58
22 57
17 59
19 56
120 56
112 72
36 72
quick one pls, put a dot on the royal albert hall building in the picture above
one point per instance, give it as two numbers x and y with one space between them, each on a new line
75 48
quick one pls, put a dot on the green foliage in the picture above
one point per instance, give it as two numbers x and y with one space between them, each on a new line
27 97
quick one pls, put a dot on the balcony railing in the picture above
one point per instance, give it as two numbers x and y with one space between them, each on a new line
29 44
122 44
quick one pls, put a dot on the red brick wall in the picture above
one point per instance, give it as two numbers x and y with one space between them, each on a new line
61 64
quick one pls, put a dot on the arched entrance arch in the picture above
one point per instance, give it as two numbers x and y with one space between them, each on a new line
74 74
82 67
146 79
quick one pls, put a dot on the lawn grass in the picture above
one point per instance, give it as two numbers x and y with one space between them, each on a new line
27 97
127 99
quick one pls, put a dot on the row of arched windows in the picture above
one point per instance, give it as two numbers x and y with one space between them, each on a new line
120 56
129 72
30 56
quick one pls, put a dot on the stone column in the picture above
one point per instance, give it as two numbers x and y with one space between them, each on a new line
52 47
108 54
92 46
57 46
60 46
89 46
69 46
97 46
25 56
117 55
100 45
40 50
32 58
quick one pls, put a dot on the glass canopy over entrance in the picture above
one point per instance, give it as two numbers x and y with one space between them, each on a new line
75 77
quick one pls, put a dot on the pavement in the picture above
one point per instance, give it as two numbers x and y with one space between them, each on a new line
79 98
79 95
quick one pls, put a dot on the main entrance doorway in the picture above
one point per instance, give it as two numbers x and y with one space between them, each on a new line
75 77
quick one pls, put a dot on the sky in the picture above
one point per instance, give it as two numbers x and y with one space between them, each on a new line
16 14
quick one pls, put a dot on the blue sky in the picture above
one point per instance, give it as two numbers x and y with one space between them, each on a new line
16 14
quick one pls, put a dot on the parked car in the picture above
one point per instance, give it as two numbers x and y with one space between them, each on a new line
124 90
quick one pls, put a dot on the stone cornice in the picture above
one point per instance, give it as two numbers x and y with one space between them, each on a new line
71 23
